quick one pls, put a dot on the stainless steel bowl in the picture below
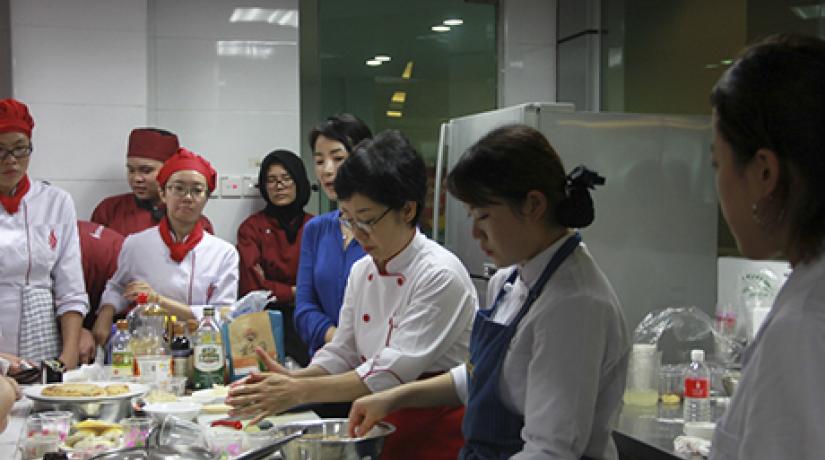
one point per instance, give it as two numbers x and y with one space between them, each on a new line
112 410
327 439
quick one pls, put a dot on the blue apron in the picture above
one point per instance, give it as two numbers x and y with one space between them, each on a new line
491 430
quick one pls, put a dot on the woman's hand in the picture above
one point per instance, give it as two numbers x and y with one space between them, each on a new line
136 287
259 395
270 364
369 410
103 324
87 347
328 336
14 363
12 383
69 358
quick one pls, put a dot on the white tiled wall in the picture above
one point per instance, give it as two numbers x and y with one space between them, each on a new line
91 70
80 65
233 109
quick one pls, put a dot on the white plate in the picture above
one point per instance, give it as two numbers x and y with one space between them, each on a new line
184 410
135 389
208 397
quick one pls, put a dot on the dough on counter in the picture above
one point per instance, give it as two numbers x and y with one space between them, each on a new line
117 389
73 390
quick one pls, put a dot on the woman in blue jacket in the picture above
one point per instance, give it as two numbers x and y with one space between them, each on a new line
328 250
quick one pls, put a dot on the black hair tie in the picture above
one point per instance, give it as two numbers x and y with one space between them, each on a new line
576 209
581 177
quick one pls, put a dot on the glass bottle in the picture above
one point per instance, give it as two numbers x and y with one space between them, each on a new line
208 353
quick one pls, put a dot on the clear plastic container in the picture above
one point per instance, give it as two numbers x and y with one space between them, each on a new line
671 381
643 376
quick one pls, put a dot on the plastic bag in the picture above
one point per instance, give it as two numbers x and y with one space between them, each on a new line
253 302
687 325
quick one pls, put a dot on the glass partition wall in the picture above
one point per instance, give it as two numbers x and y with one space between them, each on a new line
397 64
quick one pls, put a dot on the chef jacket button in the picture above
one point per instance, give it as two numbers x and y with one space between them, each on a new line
366 318
400 281
369 278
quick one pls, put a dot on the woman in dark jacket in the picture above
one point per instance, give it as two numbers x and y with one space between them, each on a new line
269 241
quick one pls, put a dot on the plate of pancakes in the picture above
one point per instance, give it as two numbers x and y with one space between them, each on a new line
84 392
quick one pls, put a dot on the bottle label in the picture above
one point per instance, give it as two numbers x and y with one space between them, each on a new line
208 358
122 363
696 388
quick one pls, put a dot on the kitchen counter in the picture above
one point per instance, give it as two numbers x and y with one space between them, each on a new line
647 433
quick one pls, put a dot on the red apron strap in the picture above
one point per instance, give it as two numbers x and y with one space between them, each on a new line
431 433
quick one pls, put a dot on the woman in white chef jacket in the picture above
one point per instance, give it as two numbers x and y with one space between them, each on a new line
39 253
177 263
407 311
548 358
769 155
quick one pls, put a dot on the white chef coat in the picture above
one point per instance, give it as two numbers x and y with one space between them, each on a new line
208 275
777 410
566 365
47 213
414 319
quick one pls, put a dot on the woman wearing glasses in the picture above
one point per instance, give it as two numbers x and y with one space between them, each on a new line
407 309
41 279
269 241
328 249
177 263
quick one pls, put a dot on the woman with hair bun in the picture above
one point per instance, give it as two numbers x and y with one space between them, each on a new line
548 358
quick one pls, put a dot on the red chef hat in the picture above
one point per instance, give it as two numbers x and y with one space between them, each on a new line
152 143
14 117
184 160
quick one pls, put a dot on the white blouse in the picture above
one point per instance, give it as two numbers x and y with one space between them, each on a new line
777 410
42 233
414 319
208 275
565 368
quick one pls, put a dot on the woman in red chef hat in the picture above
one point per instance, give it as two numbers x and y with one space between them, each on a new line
41 280
177 263
133 212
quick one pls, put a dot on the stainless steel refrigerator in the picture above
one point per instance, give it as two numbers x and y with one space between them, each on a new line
655 233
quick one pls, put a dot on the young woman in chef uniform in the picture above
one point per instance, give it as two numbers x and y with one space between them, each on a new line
407 309
39 250
769 155
177 263
548 357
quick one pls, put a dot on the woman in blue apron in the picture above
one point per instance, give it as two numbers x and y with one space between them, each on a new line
548 358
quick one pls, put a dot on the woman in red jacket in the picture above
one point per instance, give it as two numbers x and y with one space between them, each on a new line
269 241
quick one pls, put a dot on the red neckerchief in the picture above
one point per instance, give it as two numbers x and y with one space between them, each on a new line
12 203
178 250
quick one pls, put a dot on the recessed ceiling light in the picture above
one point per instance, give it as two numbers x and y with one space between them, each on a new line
440 28
407 73
453 22
726 61
382 58
394 113
399 97
373 62
711 66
